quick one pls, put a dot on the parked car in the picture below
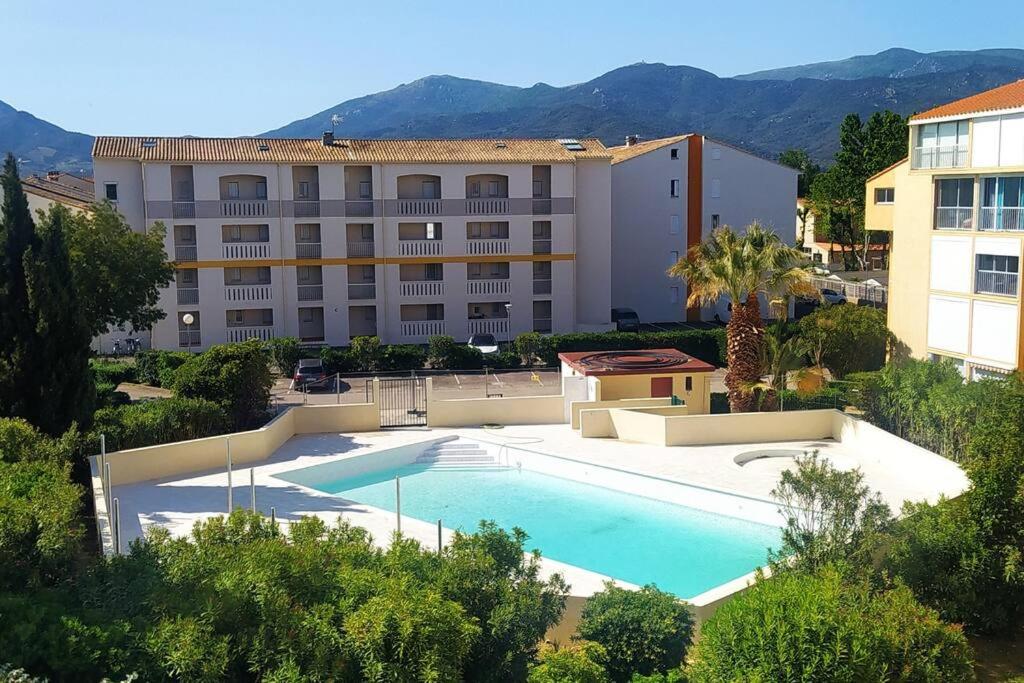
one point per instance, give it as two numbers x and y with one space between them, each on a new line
626 320
309 374
484 343
831 296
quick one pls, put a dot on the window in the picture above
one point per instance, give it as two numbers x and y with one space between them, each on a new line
368 274
885 195
429 188
474 188
941 145
305 234
302 274
673 189
954 201
234 275
435 271
267 316
306 315
538 188
304 190
433 231
364 189
188 277
996 274
493 188
714 221
1001 202
716 188
675 225
261 190
110 190
235 318
435 311
232 190
673 153
689 384
673 295
184 190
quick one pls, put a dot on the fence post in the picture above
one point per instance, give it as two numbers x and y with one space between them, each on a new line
116 528
398 504
230 502
252 487
439 545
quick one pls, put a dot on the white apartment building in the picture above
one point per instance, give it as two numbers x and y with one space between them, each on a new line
670 193
330 239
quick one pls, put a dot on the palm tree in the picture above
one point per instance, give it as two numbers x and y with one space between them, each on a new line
742 267
781 360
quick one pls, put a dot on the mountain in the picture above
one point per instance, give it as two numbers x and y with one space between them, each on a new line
896 62
41 146
653 100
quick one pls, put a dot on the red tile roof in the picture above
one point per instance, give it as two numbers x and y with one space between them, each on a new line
1009 96
640 362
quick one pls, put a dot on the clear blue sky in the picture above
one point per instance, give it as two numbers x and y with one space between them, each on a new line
212 67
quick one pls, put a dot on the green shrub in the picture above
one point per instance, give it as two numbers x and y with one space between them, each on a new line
112 372
580 662
846 338
156 368
148 423
444 353
20 441
337 360
107 396
808 627
505 360
366 353
646 631
402 357
286 353
533 346
235 376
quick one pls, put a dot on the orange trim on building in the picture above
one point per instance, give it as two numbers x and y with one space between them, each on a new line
694 201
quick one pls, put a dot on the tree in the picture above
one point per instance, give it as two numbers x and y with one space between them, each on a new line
235 376
846 338
580 662
367 353
780 357
286 353
801 161
742 267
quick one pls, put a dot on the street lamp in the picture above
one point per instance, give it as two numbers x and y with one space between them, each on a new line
508 325
188 319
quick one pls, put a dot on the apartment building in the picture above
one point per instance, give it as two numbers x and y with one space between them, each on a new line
328 239
955 207
670 193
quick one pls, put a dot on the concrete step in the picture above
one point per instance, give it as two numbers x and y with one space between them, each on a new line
457 453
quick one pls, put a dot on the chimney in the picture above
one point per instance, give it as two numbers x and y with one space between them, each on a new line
631 140
328 138
53 175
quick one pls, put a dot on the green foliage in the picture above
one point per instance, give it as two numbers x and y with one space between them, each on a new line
646 631
235 376
11 675
107 396
337 360
148 423
403 357
818 627
533 346
366 352
156 368
20 441
801 161
444 353
846 338
580 662
286 353
504 360
112 372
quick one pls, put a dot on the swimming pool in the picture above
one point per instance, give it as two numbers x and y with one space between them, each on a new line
629 537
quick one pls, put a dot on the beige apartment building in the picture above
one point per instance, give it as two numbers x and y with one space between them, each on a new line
955 207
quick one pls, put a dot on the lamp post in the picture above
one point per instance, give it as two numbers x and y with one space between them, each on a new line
508 326
188 319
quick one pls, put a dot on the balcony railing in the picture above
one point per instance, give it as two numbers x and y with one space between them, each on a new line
185 252
995 282
243 207
487 246
492 206
310 292
189 338
495 326
359 207
947 156
419 207
246 250
188 295
420 247
542 286
421 328
488 286
954 217
241 334
248 292
1005 218
307 250
304 208
362 291
360 249
542 325
421 288
541 207
183 209
542 246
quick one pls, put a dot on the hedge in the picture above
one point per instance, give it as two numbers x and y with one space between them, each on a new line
156 368
111 372
160 421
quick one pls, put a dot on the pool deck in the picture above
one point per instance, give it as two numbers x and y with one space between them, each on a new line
178 503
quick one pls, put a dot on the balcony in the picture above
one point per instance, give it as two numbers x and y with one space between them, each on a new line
243 208
188 295
948 156
421 328
307 250
241 334
304 208
421 288
1005 218
490 206
995 282
496 326
248 292
246 250
189 338
486 246
420 247
488 287
954 218
542 286
419 207
185 252
361 249
359 207
362 291
310 292
183 209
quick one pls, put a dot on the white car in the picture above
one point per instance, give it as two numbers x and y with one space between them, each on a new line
831 296
484 343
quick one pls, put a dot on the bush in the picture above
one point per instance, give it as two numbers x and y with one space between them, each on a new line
816 627
846 338
111 372
337 360
286 352
581 662
20 441
444 353
107 396
533 346
234 376
403 357
156 368
366 353
161 421
645 632
505 360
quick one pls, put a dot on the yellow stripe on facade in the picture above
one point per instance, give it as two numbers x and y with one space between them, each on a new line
387 260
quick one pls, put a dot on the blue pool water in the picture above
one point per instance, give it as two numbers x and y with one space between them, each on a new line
639 540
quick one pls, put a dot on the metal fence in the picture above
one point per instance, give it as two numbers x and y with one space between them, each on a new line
877 295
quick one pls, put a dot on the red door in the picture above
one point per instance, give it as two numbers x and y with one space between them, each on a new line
661 387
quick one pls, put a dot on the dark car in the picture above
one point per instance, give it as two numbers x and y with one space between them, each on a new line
309 374
626 320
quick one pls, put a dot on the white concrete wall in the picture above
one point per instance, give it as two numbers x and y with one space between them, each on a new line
593 244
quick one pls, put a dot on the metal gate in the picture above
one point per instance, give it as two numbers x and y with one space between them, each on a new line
403 402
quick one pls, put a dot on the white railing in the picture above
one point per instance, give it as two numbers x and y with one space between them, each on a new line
488 286
492 206
1006 218
947 156
243 207
241 334
362 291
188 295
420 247
310 292
246 250
542 286
496 326
307 250
419 207
183 209
954 217
189 338
360 249
248 292
995 282
306 209
421 288
487 246
421 328
542 325
185 252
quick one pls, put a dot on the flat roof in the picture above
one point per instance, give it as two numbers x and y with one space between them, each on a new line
636 362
